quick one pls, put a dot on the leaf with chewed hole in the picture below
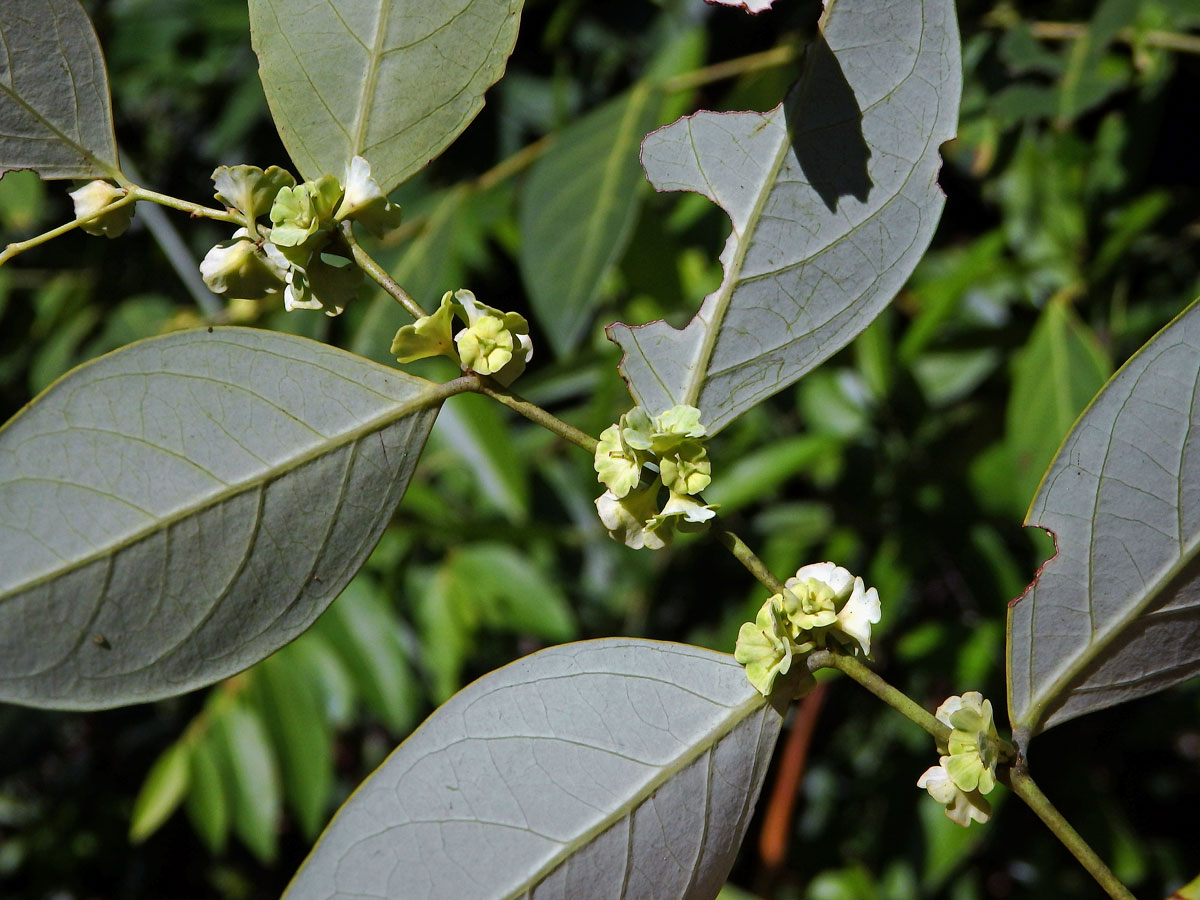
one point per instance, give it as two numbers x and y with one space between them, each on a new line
1115 614
597 770
833 198
179 509
55 111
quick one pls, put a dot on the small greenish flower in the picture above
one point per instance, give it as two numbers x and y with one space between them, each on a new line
363 200
493 343
249 189
665 432
243 269
302 214
625 517
974 744
92 199
765 647
681 513
962 807
827 600
429 336
329 282
686 469
618 465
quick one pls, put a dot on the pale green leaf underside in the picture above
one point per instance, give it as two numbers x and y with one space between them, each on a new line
833 199
177 510
603 770
577 208
55 113
394 81
1115 614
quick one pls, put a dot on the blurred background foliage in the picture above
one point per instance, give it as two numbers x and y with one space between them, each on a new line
1071 234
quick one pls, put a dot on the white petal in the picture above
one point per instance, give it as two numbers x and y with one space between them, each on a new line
859 614
838 579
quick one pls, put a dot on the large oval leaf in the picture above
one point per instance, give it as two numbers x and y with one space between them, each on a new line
177 510
394 81
833 198
1116 613
604 769
55 114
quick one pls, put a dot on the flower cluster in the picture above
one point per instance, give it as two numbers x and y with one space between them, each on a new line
301 254
640 456
822 601
490 342
967 764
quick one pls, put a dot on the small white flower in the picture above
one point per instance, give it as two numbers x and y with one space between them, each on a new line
961 806
858 615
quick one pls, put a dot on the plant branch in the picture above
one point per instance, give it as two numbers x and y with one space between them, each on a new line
731 68
1073 31
1023 785
195 210
21 246
892 696
380 275
747 558
534 413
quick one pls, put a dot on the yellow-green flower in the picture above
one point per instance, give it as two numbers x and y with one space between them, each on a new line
363 200
243 269
827 600
962 807
299 213
764 647
974 744
493 343
249 189
92 199
617 465
625 517
429 336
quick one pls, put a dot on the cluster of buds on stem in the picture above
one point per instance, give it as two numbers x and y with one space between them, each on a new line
302 253
821 603
966 769
642 458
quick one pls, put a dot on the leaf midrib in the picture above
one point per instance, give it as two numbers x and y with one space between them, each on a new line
358 139
689 755
429 397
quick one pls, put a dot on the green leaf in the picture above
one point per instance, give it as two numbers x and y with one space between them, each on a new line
289 704
387 80
1054 377
1114 614
165 787
254 784
510 592
55 113
207 800
474 430
577 209
365 633
833 198
178 510
592 770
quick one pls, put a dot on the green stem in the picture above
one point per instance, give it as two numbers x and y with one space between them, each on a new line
1070 31
381 277
195 210
747 558
731 68
893 697
534 413
21 246
1023 786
